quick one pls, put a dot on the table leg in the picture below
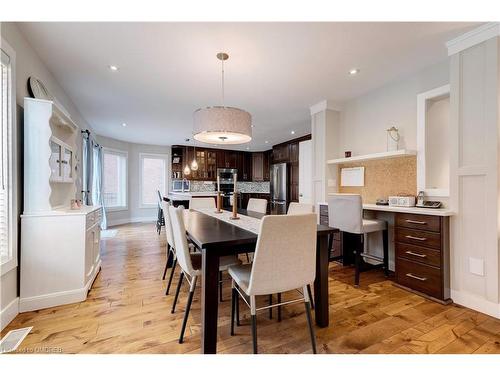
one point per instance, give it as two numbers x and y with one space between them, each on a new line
321 282
209 301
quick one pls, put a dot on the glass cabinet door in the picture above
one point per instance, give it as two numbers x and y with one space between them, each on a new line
67 165
55 161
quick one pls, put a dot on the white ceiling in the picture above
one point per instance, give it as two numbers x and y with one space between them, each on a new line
276 71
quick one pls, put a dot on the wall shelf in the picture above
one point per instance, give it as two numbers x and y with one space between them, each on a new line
376 156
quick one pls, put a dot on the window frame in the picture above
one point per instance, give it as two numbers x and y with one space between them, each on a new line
143 156
11 261
108 150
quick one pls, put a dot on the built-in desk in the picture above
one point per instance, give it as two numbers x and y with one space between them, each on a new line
419 246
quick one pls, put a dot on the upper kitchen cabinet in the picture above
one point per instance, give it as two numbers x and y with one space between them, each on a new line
258 166
268 156
281 153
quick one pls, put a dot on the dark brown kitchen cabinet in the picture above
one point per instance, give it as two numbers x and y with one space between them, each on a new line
281 153
231 159
246 166
211 165
266 164
258 166
294 152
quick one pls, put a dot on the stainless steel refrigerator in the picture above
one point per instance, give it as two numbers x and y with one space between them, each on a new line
279 186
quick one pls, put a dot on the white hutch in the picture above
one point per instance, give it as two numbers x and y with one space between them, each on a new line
60 247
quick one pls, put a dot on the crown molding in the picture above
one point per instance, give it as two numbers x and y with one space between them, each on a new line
323 106
473 37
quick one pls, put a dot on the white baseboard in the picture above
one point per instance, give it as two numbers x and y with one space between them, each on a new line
145 219
9 313
476 303
57 299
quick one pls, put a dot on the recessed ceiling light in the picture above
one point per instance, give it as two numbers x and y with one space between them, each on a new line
248 148
293 132
354 71
124 124
252 125
113 68
267 141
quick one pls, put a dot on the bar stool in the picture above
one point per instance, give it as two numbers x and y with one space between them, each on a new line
345 212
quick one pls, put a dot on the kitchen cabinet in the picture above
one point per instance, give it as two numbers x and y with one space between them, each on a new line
281 153
247 166
258 166
266 164
294 152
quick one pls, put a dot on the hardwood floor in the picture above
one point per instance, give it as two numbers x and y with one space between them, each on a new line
127 312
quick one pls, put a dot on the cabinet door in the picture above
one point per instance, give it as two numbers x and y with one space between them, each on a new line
200 157
232 159
221 159
258 166
89 253
211 165
247 166
55 161
266 165
187 159
67 164
97 244
294 152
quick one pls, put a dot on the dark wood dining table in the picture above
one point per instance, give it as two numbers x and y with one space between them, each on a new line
216 238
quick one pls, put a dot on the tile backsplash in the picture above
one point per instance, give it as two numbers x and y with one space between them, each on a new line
243 187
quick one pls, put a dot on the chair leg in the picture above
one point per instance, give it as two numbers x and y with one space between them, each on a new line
237 310
357 261
310 296
166 264
220 287
385 240
248 258
188 308
181 277
279 307
233 308
254 333
311 329
270 303
174 264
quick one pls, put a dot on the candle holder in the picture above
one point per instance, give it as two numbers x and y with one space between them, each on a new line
219 203
235 207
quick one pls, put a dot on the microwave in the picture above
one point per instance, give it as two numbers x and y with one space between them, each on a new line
226 175
181 185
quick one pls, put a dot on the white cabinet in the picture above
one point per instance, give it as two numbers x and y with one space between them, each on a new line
60 257
61 161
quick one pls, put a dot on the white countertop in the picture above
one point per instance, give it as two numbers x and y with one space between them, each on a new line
64 211
408 210
189 194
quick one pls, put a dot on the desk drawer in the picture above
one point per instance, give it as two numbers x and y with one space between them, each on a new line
418 237
419 254
425 279
423 222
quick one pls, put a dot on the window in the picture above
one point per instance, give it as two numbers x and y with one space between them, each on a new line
153 178
8 224
115 179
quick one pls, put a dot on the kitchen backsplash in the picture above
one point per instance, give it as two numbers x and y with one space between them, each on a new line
243 187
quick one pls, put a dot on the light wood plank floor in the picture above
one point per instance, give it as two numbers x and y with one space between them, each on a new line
127 312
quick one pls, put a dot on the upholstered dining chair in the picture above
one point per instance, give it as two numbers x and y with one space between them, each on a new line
284 260
296 208
160 221
189 262
257 205
345 212
205 202
171 258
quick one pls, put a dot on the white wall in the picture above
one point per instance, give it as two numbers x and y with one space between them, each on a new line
134 212
28 64
364 120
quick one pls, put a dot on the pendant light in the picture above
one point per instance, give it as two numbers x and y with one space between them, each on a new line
187 171
220 124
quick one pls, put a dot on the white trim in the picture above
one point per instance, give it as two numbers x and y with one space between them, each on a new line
323 106
148 155
476 303
12 261
376 156
59 298
473 37
442 91
9 313
143 219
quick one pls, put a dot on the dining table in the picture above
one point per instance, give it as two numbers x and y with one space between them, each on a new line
217 235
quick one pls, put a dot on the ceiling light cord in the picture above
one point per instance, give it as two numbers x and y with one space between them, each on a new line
222 81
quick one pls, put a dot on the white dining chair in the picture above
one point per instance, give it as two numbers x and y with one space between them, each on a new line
296 208
345 212
206 202
284 260
257 205
189 262
171 257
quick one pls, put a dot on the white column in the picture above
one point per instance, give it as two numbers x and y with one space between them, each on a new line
474 168
325 131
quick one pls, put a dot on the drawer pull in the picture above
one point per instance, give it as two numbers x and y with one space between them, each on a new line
416 277
409 252
416 238
416 222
